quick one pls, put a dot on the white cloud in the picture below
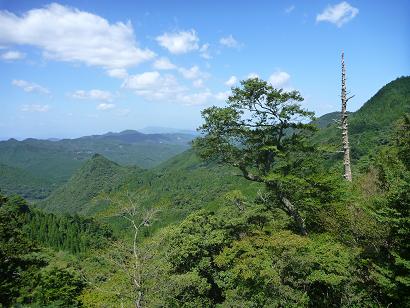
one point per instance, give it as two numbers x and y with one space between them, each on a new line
222 96
179 42
204 52
12 55
68 34
231 81
164 64
338 14
289 9
153 86
35 108
120 73
30 86
229 41
105 106
279 79
93 94
252 75
142 81
199 83
192 72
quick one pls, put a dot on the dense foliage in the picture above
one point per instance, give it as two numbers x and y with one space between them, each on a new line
63 232
97 175
30 275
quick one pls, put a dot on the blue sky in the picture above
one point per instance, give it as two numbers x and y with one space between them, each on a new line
74 68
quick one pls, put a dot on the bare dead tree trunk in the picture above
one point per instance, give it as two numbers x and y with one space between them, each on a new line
345 138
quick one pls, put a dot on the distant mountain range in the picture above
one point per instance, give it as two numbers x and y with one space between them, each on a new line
52 162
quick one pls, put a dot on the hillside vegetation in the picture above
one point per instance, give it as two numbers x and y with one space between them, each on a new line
97 175
244 219
369 126
52 163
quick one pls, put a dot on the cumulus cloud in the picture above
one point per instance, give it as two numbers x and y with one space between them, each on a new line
12 55
30 86
164 64
231 81
93 94
68 34
229 41
179 42
253 75
279 79
35 108
120 73
105 106
192 73
154 86
338 14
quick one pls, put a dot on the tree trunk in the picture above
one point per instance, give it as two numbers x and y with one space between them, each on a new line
345 138
293 212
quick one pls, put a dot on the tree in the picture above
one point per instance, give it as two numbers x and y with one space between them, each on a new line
390 269
345 138
262 132
128 257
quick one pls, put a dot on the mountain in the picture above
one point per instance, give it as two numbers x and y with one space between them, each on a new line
97 175
55 161
371 125
133 136
327 119
17 181
184 183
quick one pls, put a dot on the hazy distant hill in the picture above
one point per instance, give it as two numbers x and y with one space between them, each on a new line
55 161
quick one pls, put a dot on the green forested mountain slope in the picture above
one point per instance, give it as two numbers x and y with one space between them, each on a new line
17 181
371 124
327 119
53 162
184 184
97 175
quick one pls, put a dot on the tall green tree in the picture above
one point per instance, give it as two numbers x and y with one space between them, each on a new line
262 132
390 268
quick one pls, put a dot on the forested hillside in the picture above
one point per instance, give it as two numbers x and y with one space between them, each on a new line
256 214
14 180
369 126
52 163
97 175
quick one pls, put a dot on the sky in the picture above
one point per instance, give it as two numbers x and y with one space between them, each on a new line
75 68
